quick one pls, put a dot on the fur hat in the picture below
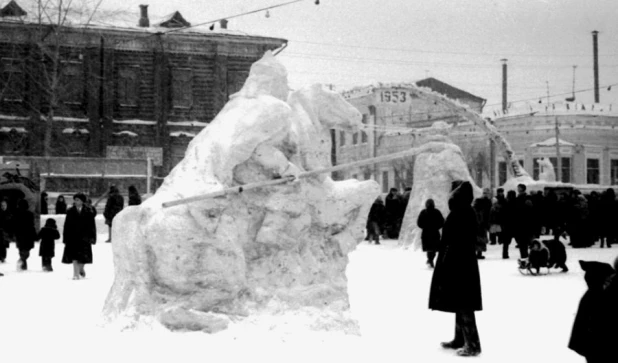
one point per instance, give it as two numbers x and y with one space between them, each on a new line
50 223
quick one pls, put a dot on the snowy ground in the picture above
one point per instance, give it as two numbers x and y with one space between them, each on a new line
48 316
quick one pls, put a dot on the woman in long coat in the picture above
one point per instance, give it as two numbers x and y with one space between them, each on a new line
456 283
78 235
430 220
25 232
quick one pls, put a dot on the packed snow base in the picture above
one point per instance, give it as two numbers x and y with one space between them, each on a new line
48 316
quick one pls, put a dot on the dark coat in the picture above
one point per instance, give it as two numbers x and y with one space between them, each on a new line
114 204
594 331
376 213
25 230
525 218
79 235
456 282
5 225
48 237
61 207
430 221
135 199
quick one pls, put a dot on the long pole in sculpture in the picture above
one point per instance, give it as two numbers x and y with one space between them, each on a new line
307 174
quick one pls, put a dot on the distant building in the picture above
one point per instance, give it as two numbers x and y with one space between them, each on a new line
131 87
393 112
588 140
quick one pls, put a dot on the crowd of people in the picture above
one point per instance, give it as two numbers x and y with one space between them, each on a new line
519 216
78 235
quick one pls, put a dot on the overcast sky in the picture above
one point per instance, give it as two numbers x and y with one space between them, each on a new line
359 42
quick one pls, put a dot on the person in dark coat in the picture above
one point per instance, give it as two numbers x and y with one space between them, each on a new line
374 220
78 235
44 209
47 248
134 197
430 220
25 233
524 215
392 214
594 330
608 209
61 205
482 207
5 224
114 204
509 222
456 283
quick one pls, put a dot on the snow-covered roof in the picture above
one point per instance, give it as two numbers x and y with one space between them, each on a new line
125 132
70 130
552 142
181 133
17 129
83 17
551 109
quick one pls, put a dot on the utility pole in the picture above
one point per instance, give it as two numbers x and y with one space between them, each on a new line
504 88
558 158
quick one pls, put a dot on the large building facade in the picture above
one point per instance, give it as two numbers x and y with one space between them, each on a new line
393 113
585 137
141 89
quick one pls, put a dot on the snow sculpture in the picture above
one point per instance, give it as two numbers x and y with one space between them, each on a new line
266 252
547 170
434 170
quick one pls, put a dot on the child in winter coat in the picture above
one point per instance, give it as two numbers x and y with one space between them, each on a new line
48 236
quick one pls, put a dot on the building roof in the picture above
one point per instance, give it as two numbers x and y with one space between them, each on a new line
115 20
552 142
447 90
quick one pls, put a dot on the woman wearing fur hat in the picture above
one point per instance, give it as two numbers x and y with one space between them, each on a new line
47 248
456 283
78 235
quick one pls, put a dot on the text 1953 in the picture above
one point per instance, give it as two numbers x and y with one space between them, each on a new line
393 96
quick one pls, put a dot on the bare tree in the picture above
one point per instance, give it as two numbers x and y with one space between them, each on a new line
54 68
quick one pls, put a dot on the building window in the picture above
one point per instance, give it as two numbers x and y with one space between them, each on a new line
592 171
385 182
341 138
73 83
182 87
614 172
128 86
364 137
565 175
11 80
502 172
355 138
536 170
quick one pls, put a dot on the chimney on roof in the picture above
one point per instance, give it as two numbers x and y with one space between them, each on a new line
144 22
595 59
223 23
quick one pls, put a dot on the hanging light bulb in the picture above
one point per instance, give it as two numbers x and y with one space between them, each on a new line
267 14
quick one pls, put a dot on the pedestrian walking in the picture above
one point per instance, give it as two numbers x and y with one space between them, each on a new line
430 220
79 235
47 248
25 233
61 205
